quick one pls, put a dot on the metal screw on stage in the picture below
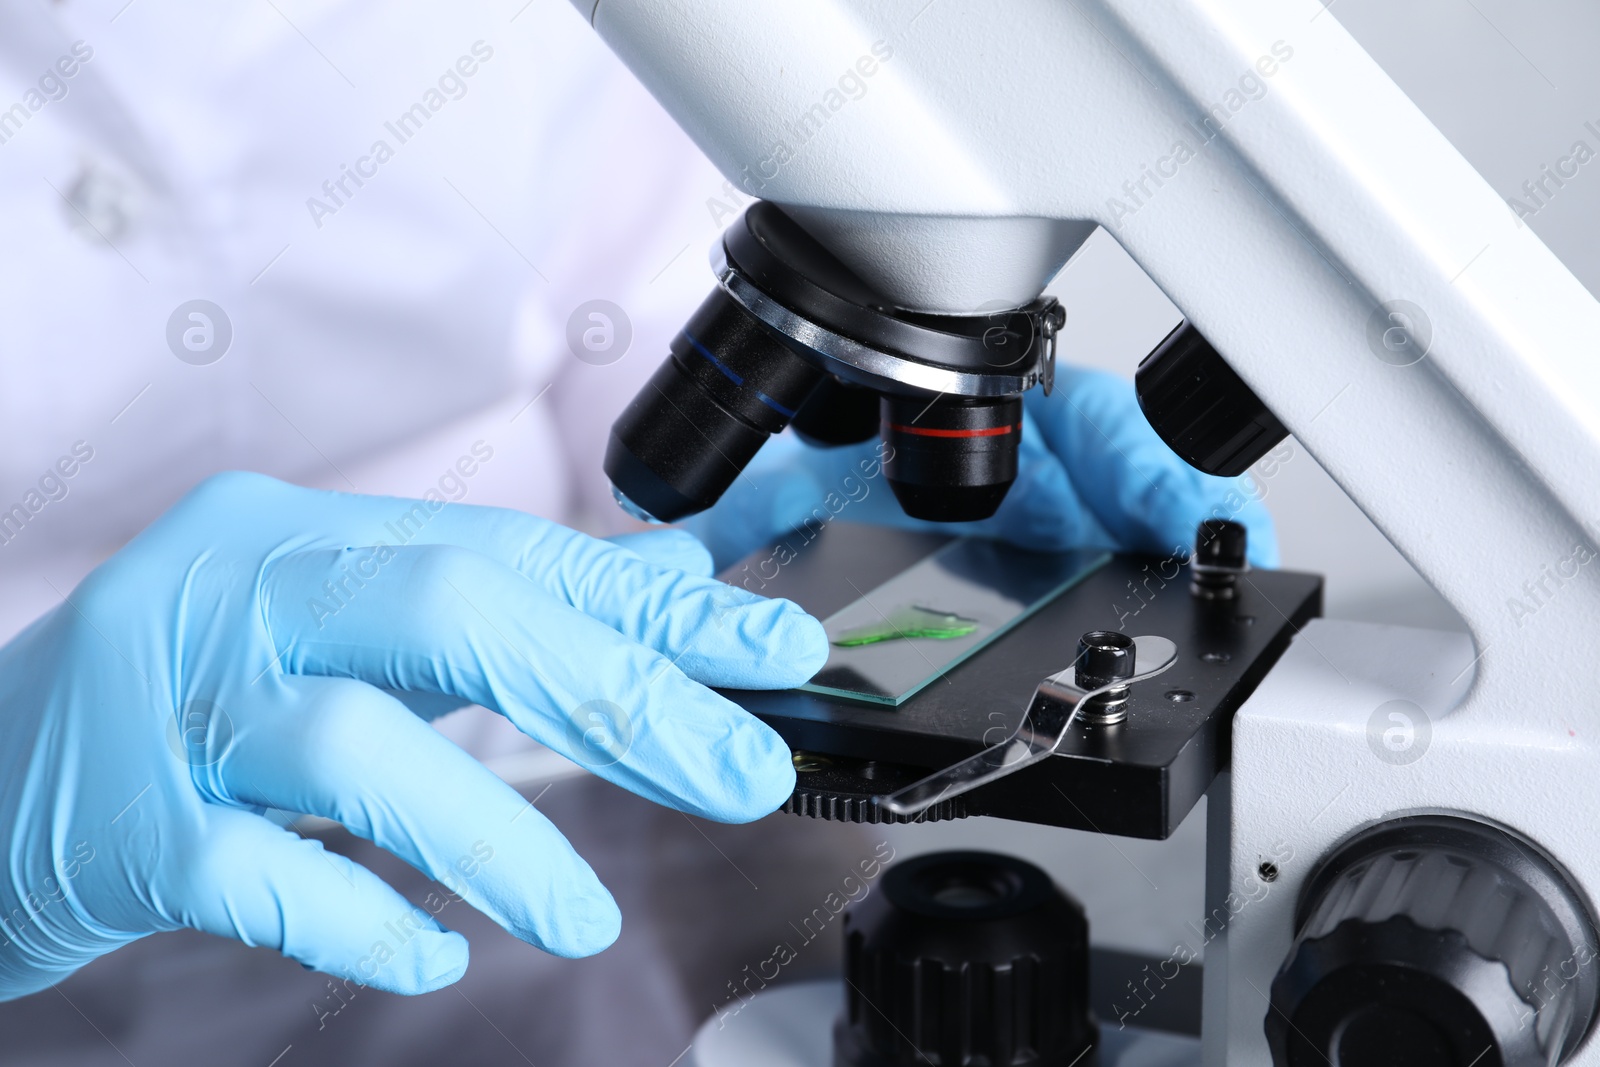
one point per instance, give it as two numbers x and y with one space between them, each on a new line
1104 657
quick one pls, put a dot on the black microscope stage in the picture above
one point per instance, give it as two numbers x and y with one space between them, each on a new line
1137 778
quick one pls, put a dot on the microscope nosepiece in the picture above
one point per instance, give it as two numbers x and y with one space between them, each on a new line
793 335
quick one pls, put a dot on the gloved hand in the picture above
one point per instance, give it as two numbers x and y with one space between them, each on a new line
1091 473
249 651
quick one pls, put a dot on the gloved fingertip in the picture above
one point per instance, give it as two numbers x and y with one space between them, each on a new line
587 922
765 778
771 789
430 960
802 646
447 961
753 642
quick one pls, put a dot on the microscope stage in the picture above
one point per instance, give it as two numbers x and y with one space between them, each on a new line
1137 778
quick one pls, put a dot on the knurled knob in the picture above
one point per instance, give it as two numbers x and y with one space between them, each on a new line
966 958
1435 941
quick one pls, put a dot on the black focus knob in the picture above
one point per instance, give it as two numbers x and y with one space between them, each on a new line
1435 941
966 958
1201 408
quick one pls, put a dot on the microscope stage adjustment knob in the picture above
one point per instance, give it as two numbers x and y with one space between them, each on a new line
840 789
1435 941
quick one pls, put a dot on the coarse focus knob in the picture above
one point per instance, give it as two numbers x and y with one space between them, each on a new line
1435 941
1201 408
966 958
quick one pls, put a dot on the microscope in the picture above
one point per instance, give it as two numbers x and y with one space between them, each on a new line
1399 852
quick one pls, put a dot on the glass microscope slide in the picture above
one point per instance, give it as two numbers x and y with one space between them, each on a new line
920 624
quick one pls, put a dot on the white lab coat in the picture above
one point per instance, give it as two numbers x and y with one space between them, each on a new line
381 326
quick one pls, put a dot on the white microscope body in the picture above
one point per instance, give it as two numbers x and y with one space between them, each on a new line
1365 282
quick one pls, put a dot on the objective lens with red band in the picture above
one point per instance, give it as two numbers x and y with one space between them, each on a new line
928 431
952 459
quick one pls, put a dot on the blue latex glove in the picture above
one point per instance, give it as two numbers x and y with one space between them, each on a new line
1091 472
249 651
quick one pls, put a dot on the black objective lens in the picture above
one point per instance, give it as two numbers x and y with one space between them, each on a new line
837 414
729 385
952 460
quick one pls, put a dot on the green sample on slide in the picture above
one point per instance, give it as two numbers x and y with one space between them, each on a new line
925 621
909 621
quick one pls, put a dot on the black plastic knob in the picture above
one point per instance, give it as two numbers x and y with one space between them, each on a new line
1201 408
966 958
1221 543
1104 657
1435 941
1221 547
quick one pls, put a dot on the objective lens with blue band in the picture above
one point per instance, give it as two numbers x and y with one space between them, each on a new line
736 378
730 384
